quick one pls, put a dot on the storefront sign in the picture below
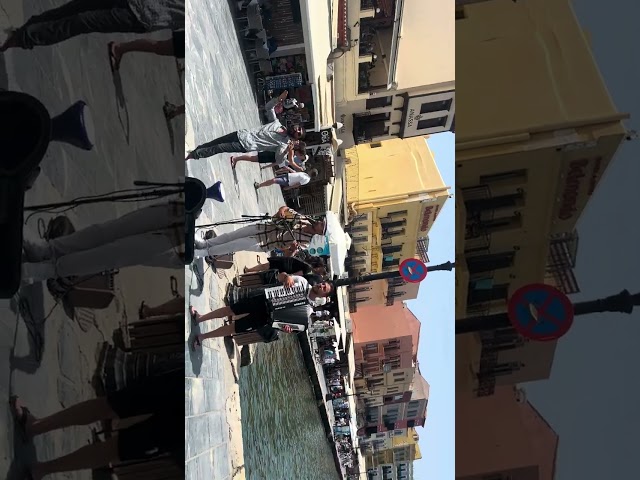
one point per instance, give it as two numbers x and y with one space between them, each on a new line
428 217
342 121
412 112
574 183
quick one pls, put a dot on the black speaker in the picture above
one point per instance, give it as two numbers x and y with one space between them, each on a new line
24 136
195 193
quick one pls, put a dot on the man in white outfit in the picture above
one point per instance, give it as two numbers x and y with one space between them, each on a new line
152 236
288 230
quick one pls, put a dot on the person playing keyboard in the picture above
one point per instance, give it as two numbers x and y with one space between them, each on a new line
256 313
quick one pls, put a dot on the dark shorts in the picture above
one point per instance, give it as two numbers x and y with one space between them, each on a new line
250 323
266 157
256 308
253 305
178 43
162 397
282 180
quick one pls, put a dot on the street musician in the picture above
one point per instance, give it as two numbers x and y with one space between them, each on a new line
267 310
287 230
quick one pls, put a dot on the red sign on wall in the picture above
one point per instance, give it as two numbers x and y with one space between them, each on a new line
574 184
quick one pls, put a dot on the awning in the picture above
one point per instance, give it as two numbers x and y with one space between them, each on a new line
340 294
316 28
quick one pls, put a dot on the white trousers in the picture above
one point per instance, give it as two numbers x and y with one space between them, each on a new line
137 238
244 239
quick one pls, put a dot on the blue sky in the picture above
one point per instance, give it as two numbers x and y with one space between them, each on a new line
435 309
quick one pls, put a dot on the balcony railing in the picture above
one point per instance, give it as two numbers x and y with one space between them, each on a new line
563 249
422 248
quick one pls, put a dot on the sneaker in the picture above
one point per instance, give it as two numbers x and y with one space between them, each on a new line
36 252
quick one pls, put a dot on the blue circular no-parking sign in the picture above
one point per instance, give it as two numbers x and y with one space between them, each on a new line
540 312
413 270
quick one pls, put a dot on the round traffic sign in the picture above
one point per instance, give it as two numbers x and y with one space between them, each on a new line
413 270
540 312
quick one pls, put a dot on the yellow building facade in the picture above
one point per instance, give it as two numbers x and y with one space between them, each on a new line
394 194
536 132
394 455
381 91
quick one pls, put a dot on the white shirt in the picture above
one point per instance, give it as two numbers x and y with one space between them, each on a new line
299 281
271 137
299 178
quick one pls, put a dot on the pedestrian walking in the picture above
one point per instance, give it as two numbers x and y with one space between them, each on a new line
80 17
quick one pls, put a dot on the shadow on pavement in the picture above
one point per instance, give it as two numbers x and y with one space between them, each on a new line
122 105
24 454
197 267
168 121
195 356
30 307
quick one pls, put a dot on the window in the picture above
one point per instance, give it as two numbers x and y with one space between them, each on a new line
493 203
371 347
359 228
367 127
436 106
394 224
378 102
391 249
460 13
432 123
375 145
491 262
504 176
395 233
390 263
503 223
398 213
481 291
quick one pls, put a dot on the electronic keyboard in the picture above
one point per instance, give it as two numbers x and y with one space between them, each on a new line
279 298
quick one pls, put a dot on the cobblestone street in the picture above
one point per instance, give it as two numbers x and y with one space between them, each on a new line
219 101
130 144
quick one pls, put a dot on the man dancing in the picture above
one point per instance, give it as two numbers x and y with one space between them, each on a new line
286 230
272 137
79 17
255 310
